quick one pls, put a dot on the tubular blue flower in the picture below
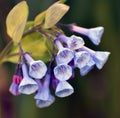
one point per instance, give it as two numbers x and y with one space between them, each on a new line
81 59
73 42
27 85
64 55
99 57
64 89
14 89
37 69
43 96
45 103
63 72
17 77
94 34
89 66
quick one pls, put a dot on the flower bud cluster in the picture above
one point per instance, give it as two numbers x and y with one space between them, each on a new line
35 77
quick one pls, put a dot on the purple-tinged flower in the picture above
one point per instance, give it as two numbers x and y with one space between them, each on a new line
73 42
88 67
63 72
94 34
37 69
63 89
14 89
99 57
43 96
27 85
17 78
45 103
81 59
64 55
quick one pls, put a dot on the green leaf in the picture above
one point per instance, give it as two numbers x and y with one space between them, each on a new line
39 19
16 21
62 1
54 13
35 44
28 25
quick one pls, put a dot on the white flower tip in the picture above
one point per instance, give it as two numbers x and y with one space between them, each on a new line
95 34
64 89
101 58
28 86
45 103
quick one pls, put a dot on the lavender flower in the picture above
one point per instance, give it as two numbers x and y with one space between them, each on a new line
81 59
73 42
37 69
43 96
94 34
63 72
27 85
63 89
64 55
99 57
17 77
45 103
89 66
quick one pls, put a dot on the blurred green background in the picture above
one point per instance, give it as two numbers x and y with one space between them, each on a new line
98 94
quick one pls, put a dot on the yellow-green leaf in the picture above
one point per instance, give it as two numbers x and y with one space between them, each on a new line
35 44
54 13
39 19
16 21
28 25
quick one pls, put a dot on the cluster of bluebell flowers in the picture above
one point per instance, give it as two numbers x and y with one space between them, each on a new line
36 77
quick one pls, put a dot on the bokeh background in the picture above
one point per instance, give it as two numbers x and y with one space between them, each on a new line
97 95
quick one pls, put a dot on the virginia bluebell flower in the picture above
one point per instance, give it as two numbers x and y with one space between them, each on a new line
81 59
99 57
89 66
63 89
43 96
17 77
64 55
73 42
63 72
45 103
27 85
37 69
94 34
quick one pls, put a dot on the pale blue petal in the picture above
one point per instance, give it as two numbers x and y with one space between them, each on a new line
43 94
37 69
65 56
100 58
81 59
64 89
95 34
84 71
75 42
63 72
45 103
28 86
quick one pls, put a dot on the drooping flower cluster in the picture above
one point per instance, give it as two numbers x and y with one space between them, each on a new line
35 77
